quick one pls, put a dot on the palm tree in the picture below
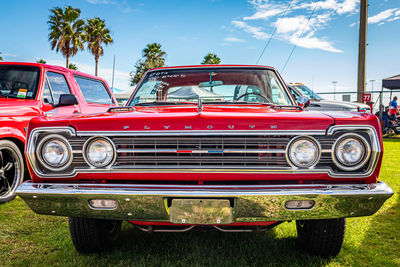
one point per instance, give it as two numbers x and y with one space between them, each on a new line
1 58
211 59
152 57
42 61
72 66
66 31
97 34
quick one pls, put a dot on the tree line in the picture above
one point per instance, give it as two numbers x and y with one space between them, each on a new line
68 34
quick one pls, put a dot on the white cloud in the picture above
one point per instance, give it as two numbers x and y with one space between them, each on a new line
340 7
383 16
8 55
234 40
265 9
256 32
289 25
301 31
312 42
294 25
348 6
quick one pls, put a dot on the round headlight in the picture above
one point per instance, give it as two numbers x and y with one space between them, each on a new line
351 152
99 152
303 152
55 152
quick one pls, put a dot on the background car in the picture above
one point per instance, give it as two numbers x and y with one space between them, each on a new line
319 103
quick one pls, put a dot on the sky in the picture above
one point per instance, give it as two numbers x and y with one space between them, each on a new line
325 32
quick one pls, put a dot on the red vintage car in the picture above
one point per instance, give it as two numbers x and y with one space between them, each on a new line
221 147
28 90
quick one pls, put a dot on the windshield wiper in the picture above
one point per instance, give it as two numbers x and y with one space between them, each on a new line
162 103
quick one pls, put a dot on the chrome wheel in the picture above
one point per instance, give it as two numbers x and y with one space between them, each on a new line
11 170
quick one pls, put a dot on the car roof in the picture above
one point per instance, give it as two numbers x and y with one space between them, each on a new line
54 67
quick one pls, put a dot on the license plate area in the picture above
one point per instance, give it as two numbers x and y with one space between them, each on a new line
201 211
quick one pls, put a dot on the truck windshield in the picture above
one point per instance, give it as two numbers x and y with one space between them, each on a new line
19 81
308 92
212 85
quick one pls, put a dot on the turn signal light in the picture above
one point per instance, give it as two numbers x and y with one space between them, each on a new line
299 204
104 204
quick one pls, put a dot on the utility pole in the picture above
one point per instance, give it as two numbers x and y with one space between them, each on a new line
334 89
362 47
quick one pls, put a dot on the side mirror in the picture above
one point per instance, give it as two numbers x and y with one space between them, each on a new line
67 100
303 101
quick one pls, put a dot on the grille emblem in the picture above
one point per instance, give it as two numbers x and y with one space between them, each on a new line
210 127
188 127
231 126
146 127
252 126
166 127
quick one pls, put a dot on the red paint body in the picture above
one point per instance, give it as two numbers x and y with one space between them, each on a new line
15 114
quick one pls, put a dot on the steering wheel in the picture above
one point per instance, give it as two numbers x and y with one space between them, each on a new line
253 93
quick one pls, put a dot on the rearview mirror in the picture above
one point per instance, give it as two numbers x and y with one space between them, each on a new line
211 83
67 100
303 101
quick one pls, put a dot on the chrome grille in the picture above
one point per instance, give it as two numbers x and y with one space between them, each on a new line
201 151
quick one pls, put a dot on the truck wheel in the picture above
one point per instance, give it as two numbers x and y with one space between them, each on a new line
321 237
93 235
11 170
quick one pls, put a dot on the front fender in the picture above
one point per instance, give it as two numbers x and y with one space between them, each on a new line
11 132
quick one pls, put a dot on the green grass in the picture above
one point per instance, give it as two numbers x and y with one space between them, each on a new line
30 239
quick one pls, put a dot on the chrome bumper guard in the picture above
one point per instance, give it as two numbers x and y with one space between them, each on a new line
245 203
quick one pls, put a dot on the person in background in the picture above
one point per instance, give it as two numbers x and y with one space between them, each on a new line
393 108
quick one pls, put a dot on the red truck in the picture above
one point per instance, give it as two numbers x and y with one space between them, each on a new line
218 147
29 90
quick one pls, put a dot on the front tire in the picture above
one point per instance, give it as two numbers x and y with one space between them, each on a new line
321 237
11 170
93 235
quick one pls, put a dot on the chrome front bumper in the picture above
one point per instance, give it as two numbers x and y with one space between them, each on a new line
246 203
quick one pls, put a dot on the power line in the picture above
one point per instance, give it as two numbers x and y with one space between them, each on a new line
295 45
273 33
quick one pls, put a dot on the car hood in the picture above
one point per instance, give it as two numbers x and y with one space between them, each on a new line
338 105
211 117
11 107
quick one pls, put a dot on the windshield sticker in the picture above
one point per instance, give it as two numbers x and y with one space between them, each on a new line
22 93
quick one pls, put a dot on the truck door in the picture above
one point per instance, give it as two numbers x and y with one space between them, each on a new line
55 85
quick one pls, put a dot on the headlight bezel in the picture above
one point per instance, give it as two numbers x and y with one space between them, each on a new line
362 162
313 163
44 162
90 162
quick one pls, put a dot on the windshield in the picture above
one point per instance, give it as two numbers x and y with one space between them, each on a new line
186 86
19 81
308 92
